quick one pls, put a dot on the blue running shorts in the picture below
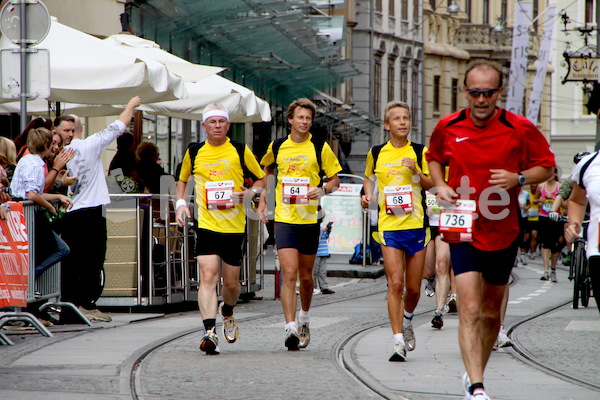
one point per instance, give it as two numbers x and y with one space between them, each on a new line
411 241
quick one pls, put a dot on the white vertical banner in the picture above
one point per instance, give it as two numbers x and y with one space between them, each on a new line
518 61
535 99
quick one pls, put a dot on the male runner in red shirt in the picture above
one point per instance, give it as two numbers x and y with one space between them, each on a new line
490 152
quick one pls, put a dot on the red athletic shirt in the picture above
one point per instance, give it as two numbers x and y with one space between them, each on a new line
509 142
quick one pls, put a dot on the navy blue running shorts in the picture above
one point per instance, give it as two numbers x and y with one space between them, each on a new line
495 266
228 246
303 237
411 241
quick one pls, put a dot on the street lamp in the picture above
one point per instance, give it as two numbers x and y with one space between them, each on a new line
499 26
453 8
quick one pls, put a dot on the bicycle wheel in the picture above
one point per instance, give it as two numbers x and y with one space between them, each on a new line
578 265
586 284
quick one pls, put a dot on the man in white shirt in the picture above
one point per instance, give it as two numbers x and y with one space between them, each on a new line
84 226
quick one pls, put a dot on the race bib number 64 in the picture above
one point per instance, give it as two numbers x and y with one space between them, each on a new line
295 189
456 222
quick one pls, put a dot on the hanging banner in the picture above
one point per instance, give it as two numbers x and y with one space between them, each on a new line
518 61
535 99
14 258
344 209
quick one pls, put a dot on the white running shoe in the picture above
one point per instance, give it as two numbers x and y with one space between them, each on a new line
480 396
399 353
430 286
291 339
231 331
210 343
523 259
304 335
502 340
466 384
409 336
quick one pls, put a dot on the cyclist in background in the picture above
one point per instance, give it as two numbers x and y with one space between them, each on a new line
566 187
586 176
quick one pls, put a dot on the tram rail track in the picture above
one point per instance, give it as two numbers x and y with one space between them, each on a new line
130 375
342 353
520 352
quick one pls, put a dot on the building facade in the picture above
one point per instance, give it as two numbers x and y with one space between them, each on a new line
387 48
573 127
444 64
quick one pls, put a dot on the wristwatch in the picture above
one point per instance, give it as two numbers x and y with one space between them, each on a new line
521 180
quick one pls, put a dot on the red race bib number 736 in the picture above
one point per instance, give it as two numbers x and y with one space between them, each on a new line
456 222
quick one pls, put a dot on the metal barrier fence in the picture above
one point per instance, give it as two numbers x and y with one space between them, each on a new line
149 258
44 288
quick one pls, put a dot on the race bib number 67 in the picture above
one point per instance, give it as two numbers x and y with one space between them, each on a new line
218 195
456 222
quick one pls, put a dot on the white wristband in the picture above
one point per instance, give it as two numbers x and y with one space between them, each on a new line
179 203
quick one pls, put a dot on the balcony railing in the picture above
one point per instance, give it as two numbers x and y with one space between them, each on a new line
471 36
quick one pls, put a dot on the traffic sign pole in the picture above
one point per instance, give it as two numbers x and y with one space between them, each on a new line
23 44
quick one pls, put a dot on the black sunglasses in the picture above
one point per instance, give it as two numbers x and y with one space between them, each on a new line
485 92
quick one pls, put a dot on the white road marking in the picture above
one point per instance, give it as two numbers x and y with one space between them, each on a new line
586 325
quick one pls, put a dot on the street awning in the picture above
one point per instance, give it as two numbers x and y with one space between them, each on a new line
342 119
281 49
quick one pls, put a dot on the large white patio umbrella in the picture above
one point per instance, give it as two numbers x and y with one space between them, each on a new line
243 105
84 69
202 88
201 84
148 50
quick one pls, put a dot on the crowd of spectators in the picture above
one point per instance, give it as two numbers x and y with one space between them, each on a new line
39 165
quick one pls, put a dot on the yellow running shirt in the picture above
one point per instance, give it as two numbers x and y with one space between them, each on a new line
396 189
218 171
298 169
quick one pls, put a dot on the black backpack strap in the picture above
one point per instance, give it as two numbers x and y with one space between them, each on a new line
584 168
375 150
318 143
275 148
418 149
193 149
241 150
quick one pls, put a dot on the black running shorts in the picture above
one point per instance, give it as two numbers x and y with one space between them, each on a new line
228 246
304 237
495 266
